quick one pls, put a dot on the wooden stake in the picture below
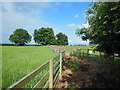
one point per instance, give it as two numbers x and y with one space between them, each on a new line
51 74
60 75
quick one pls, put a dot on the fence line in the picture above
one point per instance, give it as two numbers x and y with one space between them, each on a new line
90 52
28 77
54 73
54 50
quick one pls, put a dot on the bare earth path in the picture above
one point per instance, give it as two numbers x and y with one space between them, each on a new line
83 77
88 74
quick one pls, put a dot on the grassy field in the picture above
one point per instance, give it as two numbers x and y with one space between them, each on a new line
18 61
71 48
0 67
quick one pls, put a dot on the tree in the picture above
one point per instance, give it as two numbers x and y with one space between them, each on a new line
44 36
20 37
104 29
62 39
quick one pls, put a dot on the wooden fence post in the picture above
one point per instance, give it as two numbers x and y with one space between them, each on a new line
60 75
51 74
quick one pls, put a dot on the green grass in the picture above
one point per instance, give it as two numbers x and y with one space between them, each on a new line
0 67
18 61
71 48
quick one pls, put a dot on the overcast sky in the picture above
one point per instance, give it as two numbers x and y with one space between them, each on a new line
63 17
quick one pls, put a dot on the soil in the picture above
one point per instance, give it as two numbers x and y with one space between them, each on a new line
86 76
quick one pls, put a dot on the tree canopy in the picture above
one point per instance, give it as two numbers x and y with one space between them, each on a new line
62 39
104 29
44 36
20 37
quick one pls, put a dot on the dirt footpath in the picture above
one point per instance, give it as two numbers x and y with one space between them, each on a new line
82 77
86 75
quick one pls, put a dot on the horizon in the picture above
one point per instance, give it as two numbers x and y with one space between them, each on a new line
45 45
63 17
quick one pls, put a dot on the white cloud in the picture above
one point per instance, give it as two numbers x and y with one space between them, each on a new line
73 25
58 3
13 19
26 17
76 16
77 40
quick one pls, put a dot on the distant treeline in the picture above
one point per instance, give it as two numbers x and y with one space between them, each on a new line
42 36
18 45
38 45
7 44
